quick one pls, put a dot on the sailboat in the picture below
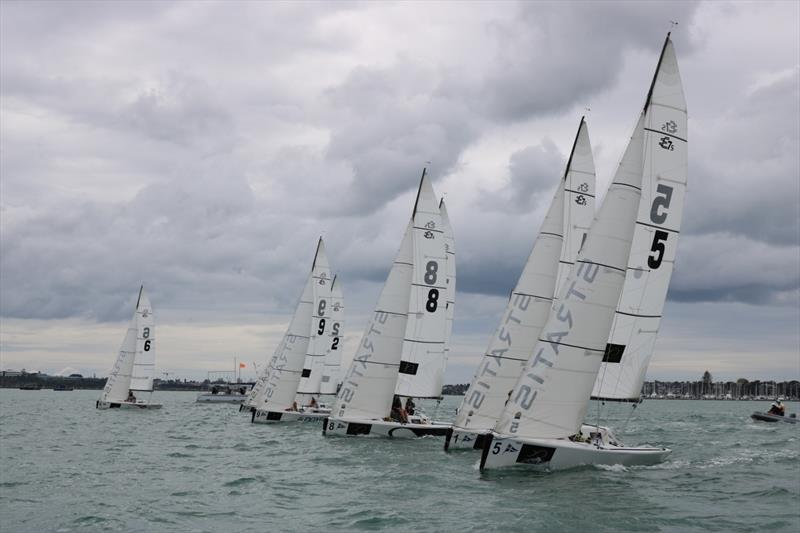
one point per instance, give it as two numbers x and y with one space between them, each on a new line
554 251
543 423
403 350
130 383
307 337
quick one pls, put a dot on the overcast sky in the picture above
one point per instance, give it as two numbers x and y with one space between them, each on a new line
201 148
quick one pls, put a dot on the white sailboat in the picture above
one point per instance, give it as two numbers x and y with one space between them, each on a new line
306 338
554 251
402 351
130 383
542 424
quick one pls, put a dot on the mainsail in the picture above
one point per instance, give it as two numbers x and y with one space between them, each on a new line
395 342
135 365
321 326
422 363
655 238
333 358
286 367
551 396
450 248
529 305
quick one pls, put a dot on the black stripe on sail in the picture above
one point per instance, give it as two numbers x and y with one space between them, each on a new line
579 192
665 133
657 227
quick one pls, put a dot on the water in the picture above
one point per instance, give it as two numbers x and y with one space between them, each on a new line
65 466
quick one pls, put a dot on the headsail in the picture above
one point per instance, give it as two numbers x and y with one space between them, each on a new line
119 379
655 239
331 372
555 248
551 397
422 363
368 385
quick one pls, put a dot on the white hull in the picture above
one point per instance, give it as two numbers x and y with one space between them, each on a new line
260 416
560 454
382 428
220 398
465 439
126 405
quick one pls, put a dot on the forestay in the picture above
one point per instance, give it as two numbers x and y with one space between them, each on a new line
333 357
655 239
321 326
527 310
422 363
551 397
283 375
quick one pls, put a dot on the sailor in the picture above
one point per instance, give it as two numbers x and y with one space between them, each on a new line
410 406
398 413
313 403
131 398
777 408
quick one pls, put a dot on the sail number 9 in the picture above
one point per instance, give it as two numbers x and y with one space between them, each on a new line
431 270
659 216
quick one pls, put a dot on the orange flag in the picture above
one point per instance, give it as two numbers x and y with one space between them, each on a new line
242 365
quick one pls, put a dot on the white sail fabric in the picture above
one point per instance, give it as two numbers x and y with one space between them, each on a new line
368 385
513 341
450 248
579 194
331 370
144 363
321 324
421 371
256 394
286 367
551 397
655 239
119 379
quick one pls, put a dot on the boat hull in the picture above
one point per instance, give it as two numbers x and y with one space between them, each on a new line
766 417
261 416
220 398
464 439
126 405
561 454
341 427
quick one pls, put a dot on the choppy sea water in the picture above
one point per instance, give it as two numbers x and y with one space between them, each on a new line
65 466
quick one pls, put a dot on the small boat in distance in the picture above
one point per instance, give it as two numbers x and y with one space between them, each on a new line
134 368
226 386
31 386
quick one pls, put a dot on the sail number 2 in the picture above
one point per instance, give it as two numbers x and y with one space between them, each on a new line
659 216
431 270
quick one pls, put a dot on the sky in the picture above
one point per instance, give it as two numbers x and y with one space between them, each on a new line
201 148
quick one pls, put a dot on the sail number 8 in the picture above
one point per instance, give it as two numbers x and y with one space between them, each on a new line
431 270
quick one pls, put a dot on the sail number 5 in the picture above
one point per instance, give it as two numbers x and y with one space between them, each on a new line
658 215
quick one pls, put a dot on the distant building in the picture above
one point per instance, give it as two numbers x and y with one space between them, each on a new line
75 376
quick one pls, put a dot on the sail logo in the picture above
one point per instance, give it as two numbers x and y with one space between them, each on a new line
430 225
549 345
357 370
670 127
580 199
666 144
583 187
492 365
428 234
